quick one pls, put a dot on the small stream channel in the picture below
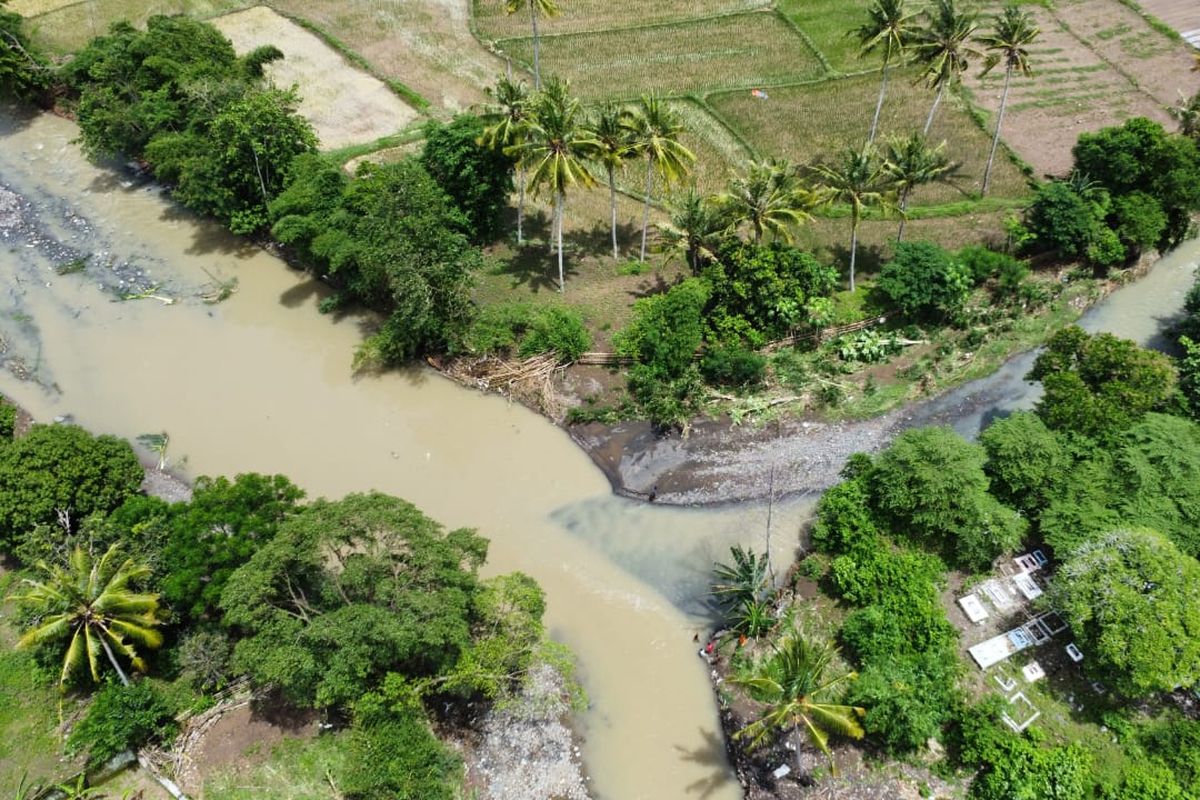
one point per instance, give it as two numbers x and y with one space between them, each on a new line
262 382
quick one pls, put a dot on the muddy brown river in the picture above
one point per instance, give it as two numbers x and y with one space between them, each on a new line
262 382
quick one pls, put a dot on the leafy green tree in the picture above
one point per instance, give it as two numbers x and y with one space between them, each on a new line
801 694
218 531
909 698
348 591
1189 374
1146 780
697 228
536 9
888 30
59 474
1060 219
931 486
557 146
844 520
477 178
121 718
1099 385
769 197
1139 221
506 120
236 164
1026 461
759 293
1175 741
943 45
1133 602
1140 156
8 420
911 163
859 180
924 281
92 608
24 73
655 131
1008 44
610 130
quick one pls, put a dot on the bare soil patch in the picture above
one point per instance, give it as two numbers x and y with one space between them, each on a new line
345 105
241 739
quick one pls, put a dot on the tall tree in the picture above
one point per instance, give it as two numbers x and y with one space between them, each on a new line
888 30
860 181
696 229
92 606
944 47
507 121
613 149
557 148
536 9
769 197
656 130
801 694
1008 44
911 163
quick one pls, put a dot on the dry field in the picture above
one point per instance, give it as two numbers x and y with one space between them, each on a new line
751 49
818 121
580 16
345 105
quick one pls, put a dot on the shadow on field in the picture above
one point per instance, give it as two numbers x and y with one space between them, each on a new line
536 267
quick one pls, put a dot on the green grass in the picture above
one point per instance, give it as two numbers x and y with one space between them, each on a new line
819 120
295 769
826 23
742 50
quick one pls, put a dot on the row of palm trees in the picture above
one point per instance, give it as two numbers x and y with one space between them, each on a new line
557 147
943 40
556 144
774 196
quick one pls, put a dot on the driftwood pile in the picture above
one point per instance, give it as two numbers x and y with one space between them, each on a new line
533 381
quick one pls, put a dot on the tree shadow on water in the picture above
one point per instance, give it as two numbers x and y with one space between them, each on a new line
712 757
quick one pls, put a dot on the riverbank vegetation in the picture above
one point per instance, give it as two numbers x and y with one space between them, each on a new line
754 230
144 613
1100 479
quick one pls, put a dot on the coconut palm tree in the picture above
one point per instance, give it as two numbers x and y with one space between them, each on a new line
557 146
507 120
859 180
768 196
888 30
1008 44
536 9
655 130
944 46
696 229
795 683
911 162
613 149
90 605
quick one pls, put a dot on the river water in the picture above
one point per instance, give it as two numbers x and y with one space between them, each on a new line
262 382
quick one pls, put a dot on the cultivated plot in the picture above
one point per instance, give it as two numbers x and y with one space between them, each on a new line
820 120
579 16
66 26
696 56
345 105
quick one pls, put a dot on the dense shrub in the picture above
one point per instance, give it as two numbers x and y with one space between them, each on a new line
984 263
1133 602
1025 461
1062 221
1099 385
8 420
843 518
1139 220
63 468
759 292
478 179
526 330
24 73
733 366
908 697
1176 742
121 718
925 281
399 759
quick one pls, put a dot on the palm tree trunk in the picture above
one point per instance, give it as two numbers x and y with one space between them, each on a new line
521 208
113 660
646 210
936 102
537 55
612 202
757 233
878 104
558 215
987 174
853 246
903 218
